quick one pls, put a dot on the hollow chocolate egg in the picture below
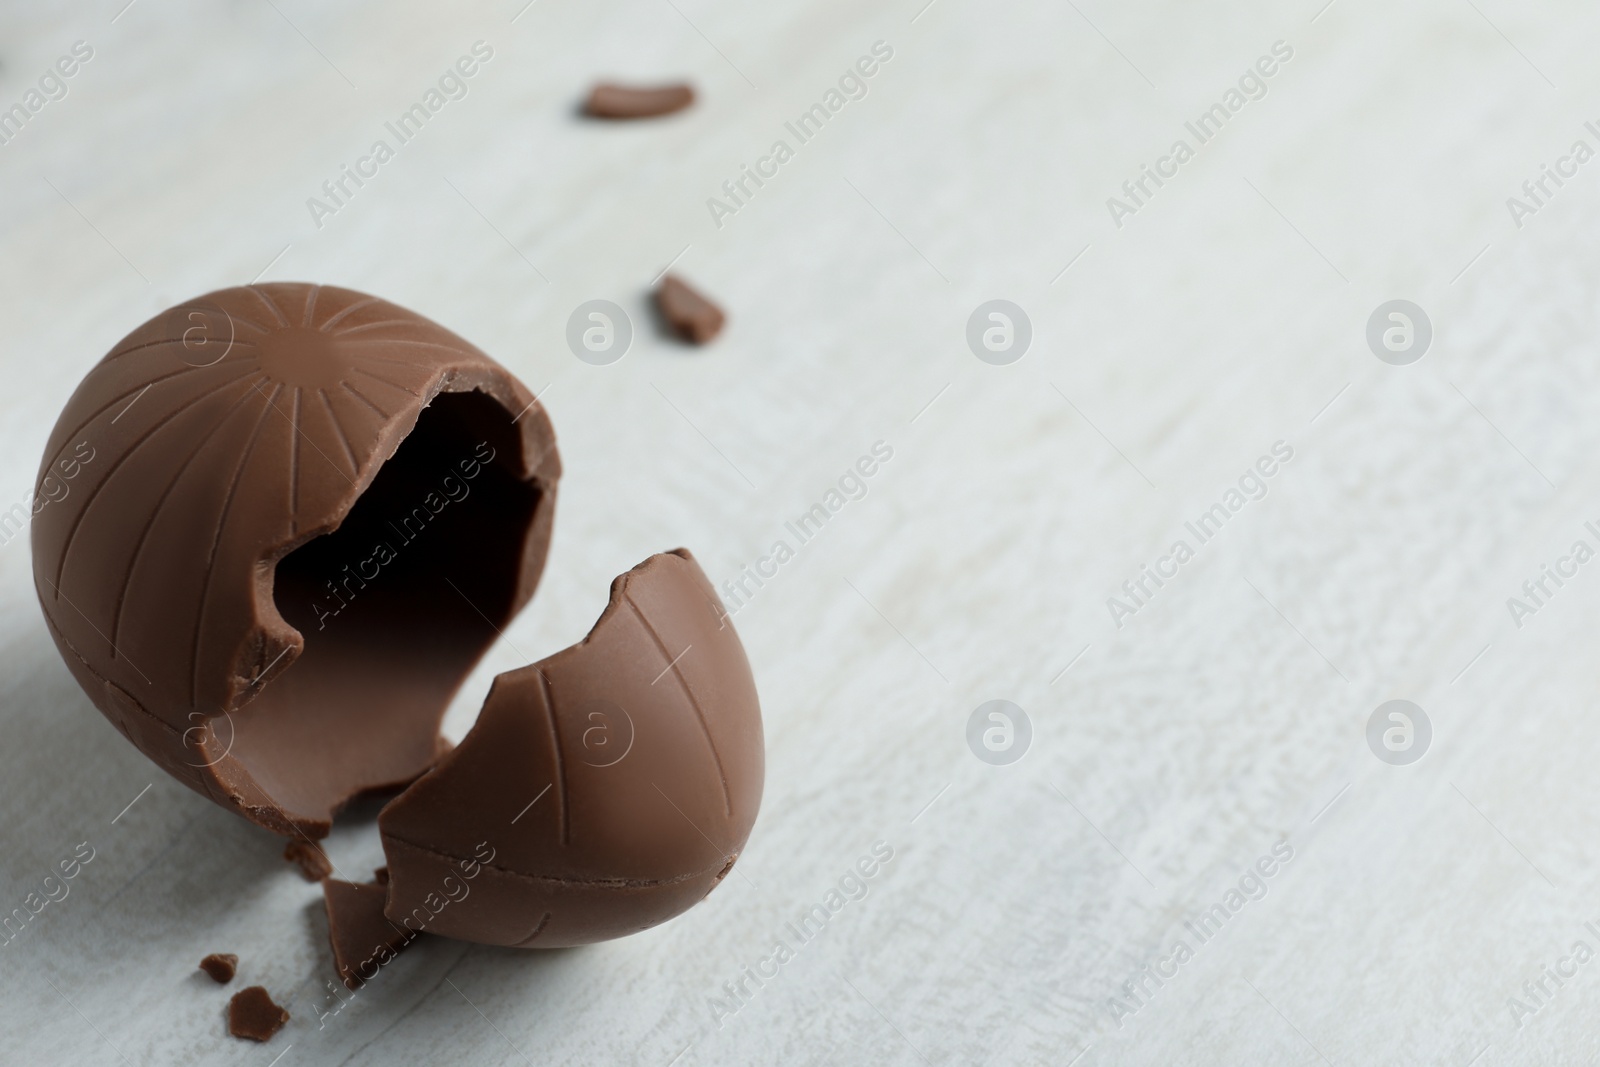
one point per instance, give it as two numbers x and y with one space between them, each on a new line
296 519
299 515
307 514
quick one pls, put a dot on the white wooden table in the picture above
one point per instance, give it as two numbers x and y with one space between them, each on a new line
1225 717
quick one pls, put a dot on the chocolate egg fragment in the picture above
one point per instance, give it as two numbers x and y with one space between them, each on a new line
602 790
304 514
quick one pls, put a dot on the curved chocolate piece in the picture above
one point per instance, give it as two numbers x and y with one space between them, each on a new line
298 516
602 791
361 938
610 101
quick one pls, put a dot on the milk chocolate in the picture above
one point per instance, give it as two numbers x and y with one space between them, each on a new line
313 862
253 1015
608 100
221 966
602 790
686 313
309 513
361 938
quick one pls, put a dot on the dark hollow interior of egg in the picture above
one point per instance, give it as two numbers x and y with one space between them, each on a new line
395 607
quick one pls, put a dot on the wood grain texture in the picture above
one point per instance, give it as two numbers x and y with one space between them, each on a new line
1226 314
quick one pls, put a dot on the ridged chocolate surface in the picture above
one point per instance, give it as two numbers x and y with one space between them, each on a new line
227 433
603 790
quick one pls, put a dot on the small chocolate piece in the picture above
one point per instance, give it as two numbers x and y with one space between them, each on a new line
307 515
252 1014
602 790
687 313
362 939
608 100
313 861
221 966
381 876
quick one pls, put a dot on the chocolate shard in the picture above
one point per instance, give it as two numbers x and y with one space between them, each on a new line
608 100
297 516
314 865
362 939
252 1014
221 966
602 790
381 876
686 313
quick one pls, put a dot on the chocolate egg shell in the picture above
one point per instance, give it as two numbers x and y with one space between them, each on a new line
305 515
602 790
610 101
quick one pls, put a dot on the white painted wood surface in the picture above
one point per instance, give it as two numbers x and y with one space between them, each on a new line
1228 313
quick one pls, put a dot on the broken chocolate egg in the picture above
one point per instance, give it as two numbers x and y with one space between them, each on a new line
302 515
297 517
602 790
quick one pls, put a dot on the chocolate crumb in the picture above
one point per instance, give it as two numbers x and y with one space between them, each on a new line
252 1014
363 940
687 313
221 966
312 860
381 876
608 100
